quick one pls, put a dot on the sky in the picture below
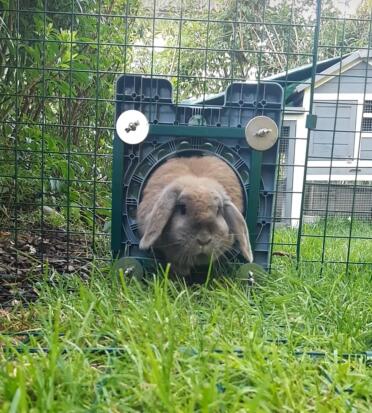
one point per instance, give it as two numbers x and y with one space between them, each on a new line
350 5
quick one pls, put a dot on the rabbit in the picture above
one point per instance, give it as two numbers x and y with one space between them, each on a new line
191 211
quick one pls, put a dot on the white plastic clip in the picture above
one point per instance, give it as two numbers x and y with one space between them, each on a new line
261 133
132 127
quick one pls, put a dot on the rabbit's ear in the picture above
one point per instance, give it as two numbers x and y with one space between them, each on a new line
238 227
159 216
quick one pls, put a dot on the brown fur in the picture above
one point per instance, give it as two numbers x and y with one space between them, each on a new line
206 166
211 194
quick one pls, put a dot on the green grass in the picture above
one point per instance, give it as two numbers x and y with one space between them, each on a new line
335 242
177 345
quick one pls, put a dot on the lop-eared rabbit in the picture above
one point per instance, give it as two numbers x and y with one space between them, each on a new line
191 212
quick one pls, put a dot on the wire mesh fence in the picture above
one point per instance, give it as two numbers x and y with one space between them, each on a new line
59 63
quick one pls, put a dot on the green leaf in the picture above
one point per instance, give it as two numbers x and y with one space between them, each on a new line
15 402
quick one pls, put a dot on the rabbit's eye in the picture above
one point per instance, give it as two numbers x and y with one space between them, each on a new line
181 208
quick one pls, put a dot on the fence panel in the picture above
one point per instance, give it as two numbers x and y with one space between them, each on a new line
59 63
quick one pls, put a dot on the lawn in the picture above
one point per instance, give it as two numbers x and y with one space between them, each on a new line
119 345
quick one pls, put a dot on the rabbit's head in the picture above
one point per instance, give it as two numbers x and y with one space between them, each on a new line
192 221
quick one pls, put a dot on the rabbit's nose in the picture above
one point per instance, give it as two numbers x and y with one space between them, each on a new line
204 241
